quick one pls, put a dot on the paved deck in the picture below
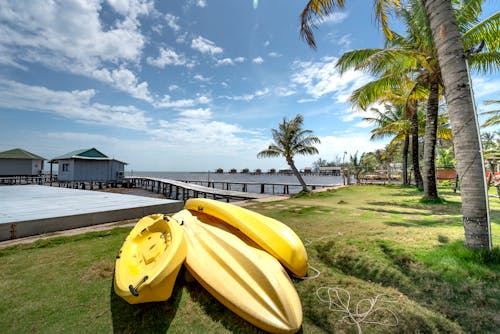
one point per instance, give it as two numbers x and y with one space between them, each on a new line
31 209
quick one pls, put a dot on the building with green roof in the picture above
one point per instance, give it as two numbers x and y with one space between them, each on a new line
19 162
88 165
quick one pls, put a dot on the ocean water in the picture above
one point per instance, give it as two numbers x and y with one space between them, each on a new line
258 179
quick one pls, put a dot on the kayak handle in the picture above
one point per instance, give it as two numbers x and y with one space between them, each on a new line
133 289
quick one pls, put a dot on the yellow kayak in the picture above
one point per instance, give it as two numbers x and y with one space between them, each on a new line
150 259
270 234
247 280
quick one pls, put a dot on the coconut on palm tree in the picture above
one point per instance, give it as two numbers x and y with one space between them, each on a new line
291 140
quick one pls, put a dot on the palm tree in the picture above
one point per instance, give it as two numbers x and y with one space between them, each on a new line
451 60
290 140
463 118
393 123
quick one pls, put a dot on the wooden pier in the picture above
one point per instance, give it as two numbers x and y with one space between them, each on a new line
175 189
180 190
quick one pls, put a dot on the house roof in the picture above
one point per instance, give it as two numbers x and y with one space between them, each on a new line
18 153
85 154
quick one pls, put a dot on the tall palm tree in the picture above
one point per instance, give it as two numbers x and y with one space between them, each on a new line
397 91
392 123
290 140
454 70
451 58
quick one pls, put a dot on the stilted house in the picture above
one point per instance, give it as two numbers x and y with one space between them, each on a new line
18 162
88 165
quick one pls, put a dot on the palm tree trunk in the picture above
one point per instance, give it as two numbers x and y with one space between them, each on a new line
297 174
430 140
466 141
414 150
405 160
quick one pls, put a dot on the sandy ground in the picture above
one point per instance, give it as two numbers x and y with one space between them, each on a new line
130 222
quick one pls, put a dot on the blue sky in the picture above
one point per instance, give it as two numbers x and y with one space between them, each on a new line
181 85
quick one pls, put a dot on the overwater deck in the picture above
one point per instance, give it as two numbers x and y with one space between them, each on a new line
32 209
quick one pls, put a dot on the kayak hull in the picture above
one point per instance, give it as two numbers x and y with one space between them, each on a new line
150 259
270 234
247 280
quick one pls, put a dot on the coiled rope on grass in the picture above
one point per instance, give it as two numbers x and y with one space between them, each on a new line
339 300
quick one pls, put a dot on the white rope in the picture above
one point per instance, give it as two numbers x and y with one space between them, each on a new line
339 301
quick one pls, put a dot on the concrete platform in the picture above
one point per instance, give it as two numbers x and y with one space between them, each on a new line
27 210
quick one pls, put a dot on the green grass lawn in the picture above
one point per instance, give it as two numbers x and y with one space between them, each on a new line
372 244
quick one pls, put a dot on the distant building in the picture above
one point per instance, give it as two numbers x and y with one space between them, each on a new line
258 171
88 165
219 171
330 171
245 171
307 170
233 171
17 162
272 171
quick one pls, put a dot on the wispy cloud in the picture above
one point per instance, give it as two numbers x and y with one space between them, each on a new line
322 78
206 46
167 102
248 97
169 57
334 18
76 105
172 22
258 60
72 38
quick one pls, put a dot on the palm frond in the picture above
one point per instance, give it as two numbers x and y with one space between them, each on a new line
315 10
485 62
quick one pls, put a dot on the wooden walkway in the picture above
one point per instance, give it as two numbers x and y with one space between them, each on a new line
182 190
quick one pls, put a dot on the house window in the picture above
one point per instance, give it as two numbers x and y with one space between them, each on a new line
65 167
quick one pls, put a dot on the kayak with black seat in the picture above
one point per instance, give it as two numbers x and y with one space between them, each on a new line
150 259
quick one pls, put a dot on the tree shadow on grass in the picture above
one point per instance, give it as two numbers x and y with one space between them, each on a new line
423 223
147 317
398 212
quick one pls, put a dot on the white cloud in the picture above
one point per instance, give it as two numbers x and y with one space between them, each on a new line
197 114
201 3
166 102
69 36
248 97
225 61
332 146
200 77
258 60
204 45
285 91
322 78
345 42
274 54
172 22
230 61
334 18
75 105
124 80
485 87
169 57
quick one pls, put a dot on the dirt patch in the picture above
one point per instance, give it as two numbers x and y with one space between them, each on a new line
103 269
